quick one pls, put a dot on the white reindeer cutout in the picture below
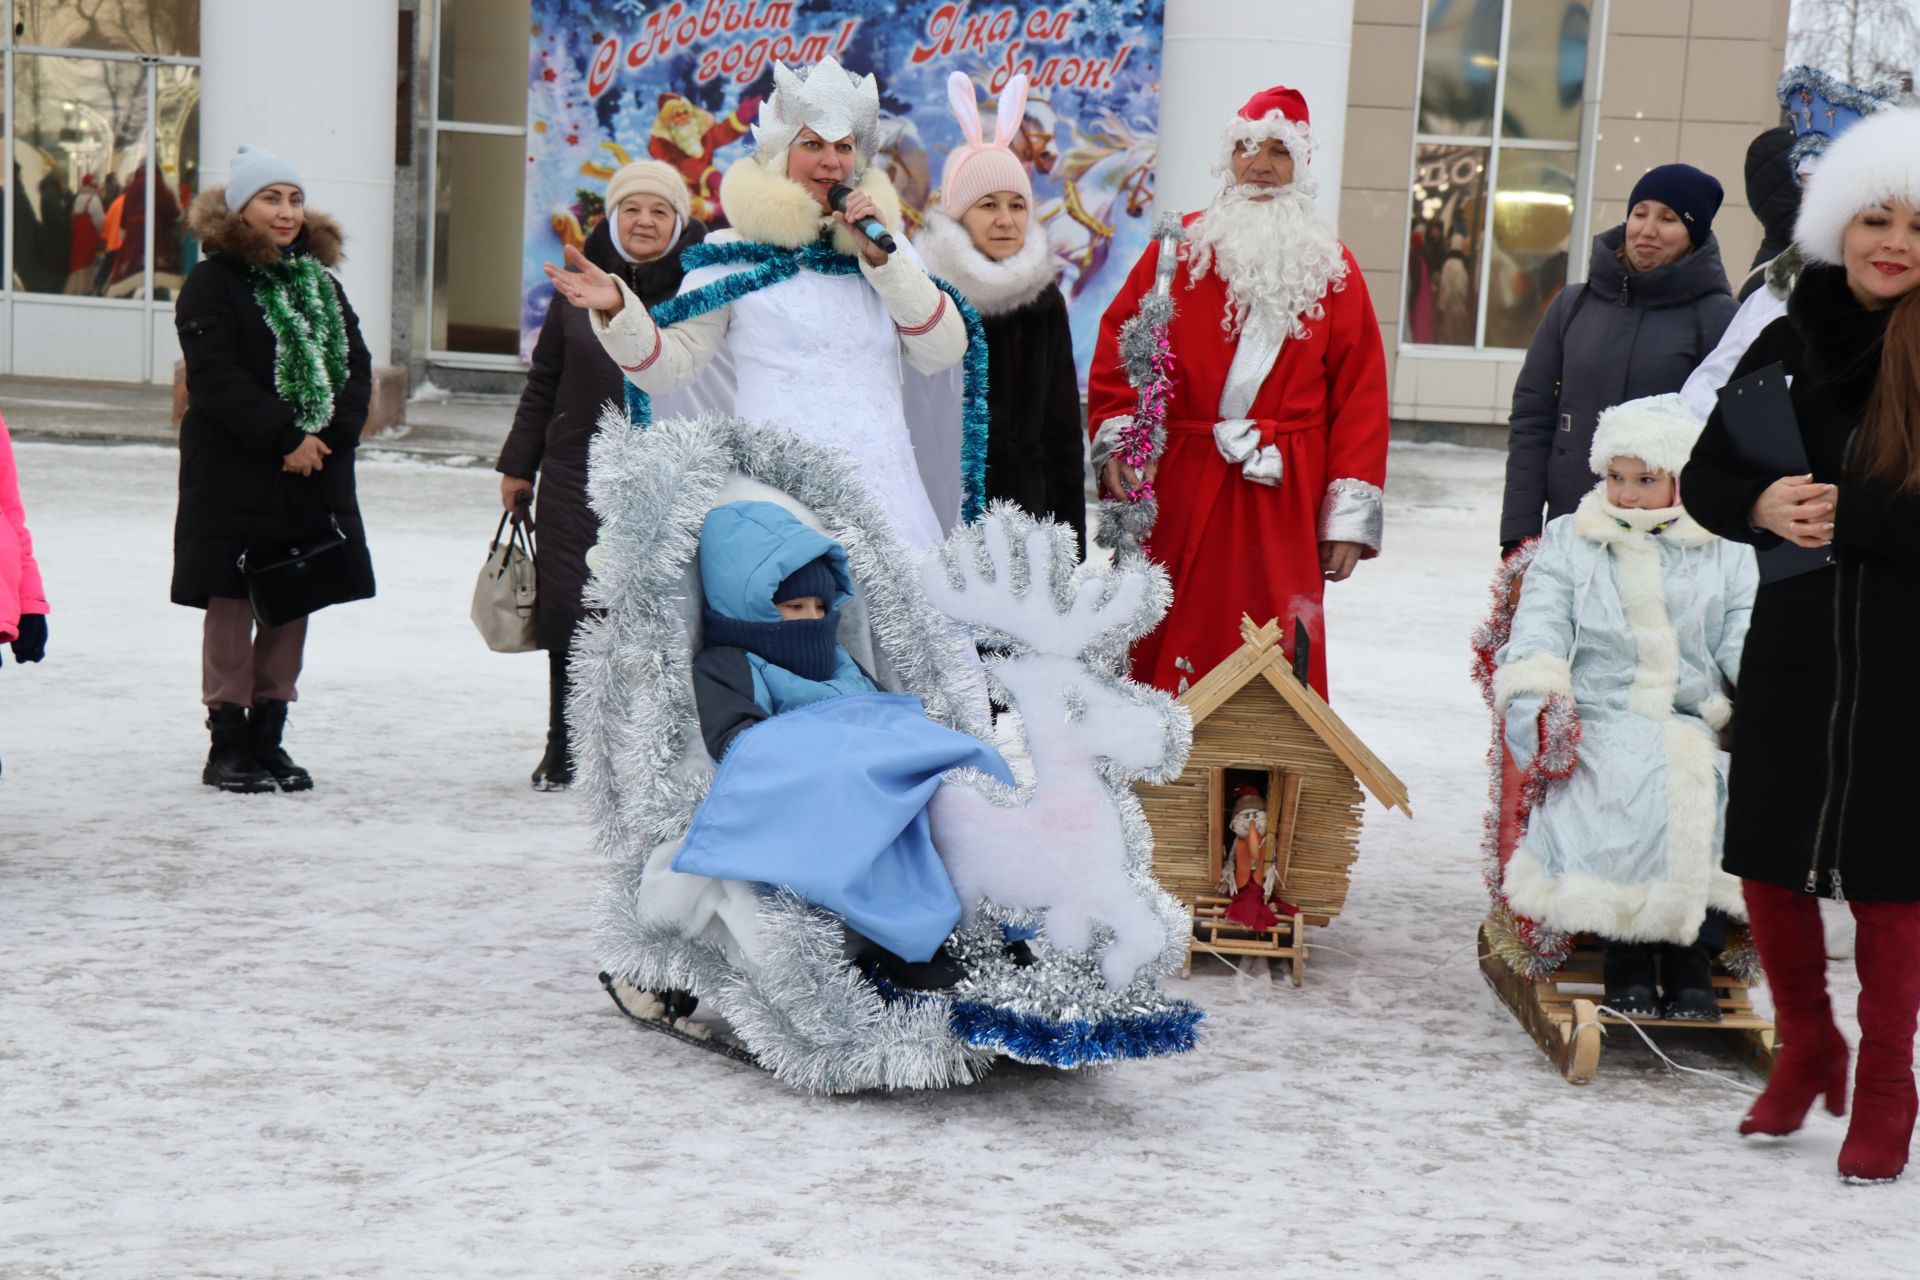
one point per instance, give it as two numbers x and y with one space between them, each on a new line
1060 846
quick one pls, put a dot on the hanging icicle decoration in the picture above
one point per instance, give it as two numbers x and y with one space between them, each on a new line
769 264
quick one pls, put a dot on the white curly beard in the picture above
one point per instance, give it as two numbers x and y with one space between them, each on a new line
1278 256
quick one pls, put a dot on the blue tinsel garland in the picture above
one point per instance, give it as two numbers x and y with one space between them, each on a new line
769 264
1076 1043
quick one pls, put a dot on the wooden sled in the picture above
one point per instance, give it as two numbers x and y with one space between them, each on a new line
1561 1013
1215 934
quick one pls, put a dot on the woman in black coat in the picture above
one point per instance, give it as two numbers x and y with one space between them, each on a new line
982 240
276 397
1655 305
1819 796
571 379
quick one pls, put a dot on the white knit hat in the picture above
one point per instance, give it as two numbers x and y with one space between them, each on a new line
253 170
649 177
1876 160
1658 430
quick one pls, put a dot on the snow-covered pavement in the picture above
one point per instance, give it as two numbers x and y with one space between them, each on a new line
357 1032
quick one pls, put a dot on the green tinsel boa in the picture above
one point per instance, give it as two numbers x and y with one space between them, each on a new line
310 337
770 264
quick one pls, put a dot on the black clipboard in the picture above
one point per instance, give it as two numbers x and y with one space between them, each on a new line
1765 434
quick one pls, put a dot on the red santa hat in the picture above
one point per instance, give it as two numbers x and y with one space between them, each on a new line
1276 113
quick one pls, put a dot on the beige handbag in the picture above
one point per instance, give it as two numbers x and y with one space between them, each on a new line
504 597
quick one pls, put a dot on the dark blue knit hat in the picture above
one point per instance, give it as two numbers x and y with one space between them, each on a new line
814 578
1692 193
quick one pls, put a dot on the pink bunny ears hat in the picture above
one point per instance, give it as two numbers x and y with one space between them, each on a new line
977 167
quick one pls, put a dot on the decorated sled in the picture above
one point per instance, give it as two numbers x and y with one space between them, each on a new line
1064 933
1259 729
1550 980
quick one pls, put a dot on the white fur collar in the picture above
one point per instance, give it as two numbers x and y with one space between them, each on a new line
1598 520
994 288
774 209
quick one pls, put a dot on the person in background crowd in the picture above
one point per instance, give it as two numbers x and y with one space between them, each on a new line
571 380
56 233
1822 772
278 383
85 245
131 255
984 239
1269 486
1655 303
23 597
1775 193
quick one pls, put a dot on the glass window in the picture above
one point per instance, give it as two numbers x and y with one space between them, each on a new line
1444 251
79 180
476 242
176 150
1496 157
166 27
483 61
1546 70
1462 63
1532 232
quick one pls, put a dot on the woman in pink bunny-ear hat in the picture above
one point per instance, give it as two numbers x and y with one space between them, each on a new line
982 238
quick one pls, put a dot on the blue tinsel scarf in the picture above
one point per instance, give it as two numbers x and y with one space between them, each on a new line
769 264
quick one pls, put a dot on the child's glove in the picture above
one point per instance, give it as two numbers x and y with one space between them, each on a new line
31 644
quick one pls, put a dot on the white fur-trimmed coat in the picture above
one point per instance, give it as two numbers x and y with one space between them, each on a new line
1643 631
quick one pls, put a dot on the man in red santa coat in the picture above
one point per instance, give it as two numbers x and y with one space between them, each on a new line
1269 485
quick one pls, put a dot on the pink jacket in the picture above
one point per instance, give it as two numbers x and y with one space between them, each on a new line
20 587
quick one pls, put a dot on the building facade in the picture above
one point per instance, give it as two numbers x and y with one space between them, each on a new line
1476 146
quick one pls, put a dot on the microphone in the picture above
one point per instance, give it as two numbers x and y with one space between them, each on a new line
876 231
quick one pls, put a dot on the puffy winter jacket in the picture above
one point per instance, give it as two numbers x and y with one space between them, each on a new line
1622 335
20 587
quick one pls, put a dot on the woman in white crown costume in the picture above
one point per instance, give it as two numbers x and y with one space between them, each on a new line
813 346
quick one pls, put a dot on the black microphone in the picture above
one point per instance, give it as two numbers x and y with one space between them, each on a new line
876 231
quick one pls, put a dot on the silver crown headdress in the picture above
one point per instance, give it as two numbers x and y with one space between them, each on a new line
823 98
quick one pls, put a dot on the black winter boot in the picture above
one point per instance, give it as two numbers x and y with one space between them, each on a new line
1629 980
231 765
1686 984
269 722
555 771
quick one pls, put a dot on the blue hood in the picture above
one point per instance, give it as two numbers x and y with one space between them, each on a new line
747 549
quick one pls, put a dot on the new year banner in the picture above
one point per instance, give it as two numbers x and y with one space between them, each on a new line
614 80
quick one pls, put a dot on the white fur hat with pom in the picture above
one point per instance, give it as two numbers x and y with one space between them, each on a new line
1876 160
1658 430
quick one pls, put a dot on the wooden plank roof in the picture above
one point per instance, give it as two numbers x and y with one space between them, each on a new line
1262 657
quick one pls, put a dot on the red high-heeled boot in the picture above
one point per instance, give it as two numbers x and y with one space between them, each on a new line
1812 1059
1887 954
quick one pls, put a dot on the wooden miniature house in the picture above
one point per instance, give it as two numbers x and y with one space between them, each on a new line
1257 725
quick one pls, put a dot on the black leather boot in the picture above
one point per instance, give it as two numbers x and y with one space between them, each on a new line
1629 980
555 771
231 765
269 722
1686 984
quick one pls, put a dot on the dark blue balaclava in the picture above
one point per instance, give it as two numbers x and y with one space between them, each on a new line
754 555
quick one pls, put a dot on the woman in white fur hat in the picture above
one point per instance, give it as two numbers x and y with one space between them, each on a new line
983 239
1613 684
1822 783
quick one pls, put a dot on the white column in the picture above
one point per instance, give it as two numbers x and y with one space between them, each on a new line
1218 54
314 84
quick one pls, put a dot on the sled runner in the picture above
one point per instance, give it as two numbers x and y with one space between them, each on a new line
1561 1012
1063 933
624 999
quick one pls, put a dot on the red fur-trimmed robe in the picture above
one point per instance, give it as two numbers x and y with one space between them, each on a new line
1232 546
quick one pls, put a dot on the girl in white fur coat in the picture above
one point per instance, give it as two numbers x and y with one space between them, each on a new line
1627 643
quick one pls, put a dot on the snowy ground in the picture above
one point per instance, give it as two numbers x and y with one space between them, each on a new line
357 1033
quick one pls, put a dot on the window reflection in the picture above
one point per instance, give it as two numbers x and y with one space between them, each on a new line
1444 248
168 27
79 143
476 243
1461 67
1532 234
1546 69
483 61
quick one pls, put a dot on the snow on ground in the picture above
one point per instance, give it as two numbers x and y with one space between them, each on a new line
357 1032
